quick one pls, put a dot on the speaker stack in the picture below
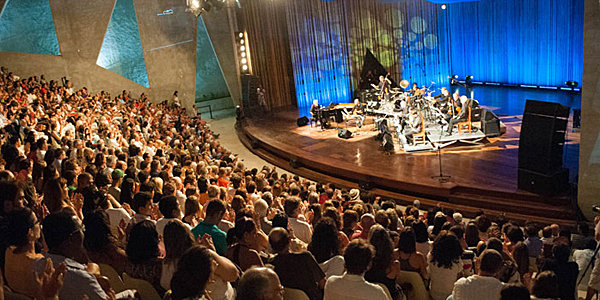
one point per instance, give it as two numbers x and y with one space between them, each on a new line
541 148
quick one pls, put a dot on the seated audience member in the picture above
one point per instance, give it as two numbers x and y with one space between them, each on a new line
101 245
63 233
514 291
533 242
583 257
384 268
410 259
169 208
143 255
215 209
508 272
350 222
293 209
325 247
192 274
262 208
193 212
259 283
352 285
483 285
565 271
143 207
545 286
366 221
520 255
296 270
177 240
334 214
445 265
242 239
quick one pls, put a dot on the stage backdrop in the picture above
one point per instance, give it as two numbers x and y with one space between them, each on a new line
536 42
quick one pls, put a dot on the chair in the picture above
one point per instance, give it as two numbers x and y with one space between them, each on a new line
113 277
466 125
294 294
385 289
418 291
146 290
419 138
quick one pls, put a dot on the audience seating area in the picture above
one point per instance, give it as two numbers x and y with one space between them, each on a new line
114 196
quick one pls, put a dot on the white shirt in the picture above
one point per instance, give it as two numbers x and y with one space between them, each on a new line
301 230
333 267
477 287
442 279
352 287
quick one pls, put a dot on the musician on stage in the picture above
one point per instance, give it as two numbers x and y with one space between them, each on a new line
413 126
317 115
384 87
413 89
462 116
442 101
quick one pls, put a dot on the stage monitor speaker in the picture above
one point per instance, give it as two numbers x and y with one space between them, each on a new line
344 133
303 121
543 184
476 114
542 137
490 124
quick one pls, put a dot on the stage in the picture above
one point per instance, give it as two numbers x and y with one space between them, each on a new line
483 175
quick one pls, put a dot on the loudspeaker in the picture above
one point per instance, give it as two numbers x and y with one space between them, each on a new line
543 184
249 94
542 137
490 124
344 133
576 118
303 121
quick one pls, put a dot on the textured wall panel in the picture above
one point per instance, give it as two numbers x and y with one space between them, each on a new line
121 50
26 26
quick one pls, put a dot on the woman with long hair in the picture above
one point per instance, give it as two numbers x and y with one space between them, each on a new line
384 268
100 244
242 239
143 260
445 266
410 259
325 247
192 274
177 239
56 198
520 255
545 286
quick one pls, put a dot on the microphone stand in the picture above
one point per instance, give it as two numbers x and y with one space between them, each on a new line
441 178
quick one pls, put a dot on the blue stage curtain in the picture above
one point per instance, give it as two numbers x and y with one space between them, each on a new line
535 42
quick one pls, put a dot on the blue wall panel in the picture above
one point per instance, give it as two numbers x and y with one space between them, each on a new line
26 26
210 81
121 50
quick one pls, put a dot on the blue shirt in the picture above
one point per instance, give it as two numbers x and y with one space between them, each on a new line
218 235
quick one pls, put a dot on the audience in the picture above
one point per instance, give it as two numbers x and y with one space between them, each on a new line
148 189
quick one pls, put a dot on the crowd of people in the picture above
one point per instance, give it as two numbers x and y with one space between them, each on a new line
90 181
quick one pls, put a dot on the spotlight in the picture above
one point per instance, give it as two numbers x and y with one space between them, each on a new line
242 42
195 4
241 35
443 6
453 79
243 54
469 80
244 61
243 48
455 76
572 84
245 67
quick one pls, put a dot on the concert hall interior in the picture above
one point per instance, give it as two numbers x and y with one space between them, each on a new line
218 137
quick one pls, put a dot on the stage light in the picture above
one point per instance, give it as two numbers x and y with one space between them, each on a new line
243 54
453 79
243 48
455 76
241 35
572 84
443 6
195 4
469 80
244 61
245 67
242 42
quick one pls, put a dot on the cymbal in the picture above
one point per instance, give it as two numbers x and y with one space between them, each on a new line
404 83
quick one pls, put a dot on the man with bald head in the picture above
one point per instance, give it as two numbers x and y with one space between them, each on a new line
296 270
259 283
366 221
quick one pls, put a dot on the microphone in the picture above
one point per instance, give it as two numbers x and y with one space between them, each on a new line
596 208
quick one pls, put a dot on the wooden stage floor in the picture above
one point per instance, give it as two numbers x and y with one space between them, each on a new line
482 177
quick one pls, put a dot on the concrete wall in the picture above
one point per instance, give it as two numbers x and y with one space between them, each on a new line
81 25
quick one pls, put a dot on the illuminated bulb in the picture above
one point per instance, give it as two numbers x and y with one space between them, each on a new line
243 48
244 61
443 6
242 42
244 67
243 54
241 35
195 3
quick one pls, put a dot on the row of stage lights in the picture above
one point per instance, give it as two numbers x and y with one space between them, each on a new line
243 53
571 85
